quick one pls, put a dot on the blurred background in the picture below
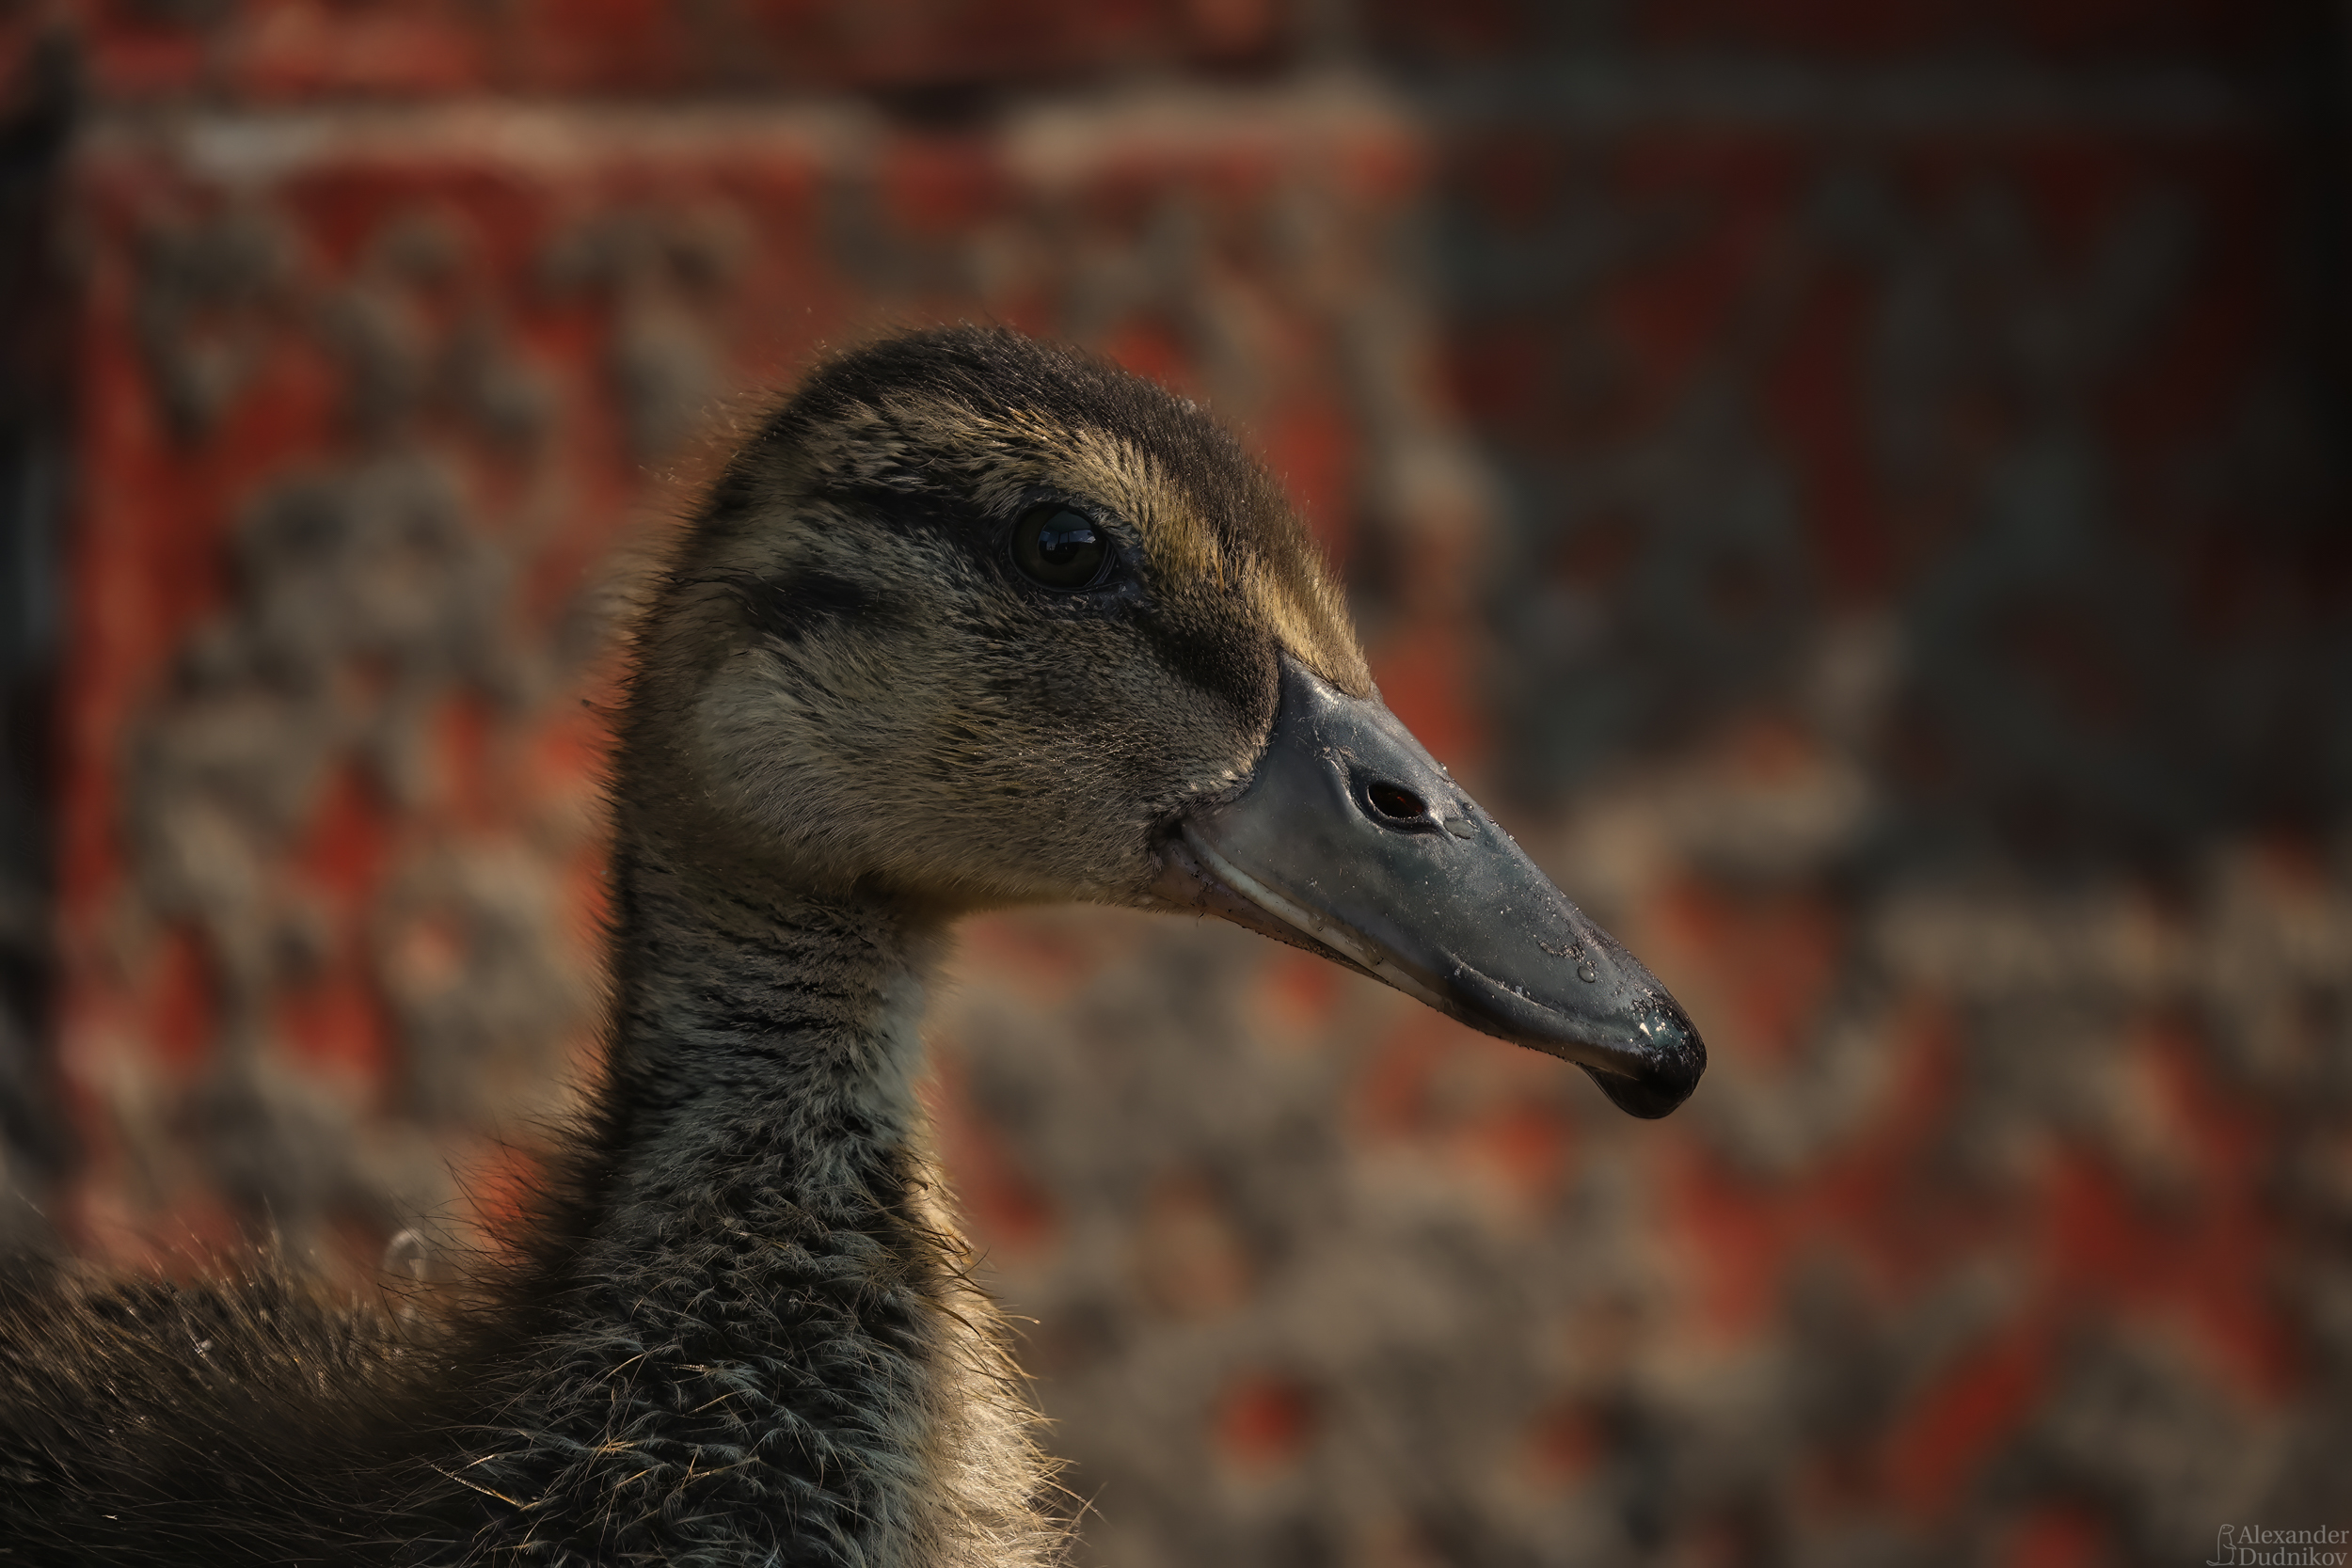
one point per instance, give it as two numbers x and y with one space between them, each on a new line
1859 487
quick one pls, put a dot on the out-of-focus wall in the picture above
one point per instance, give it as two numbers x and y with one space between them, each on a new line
1859 487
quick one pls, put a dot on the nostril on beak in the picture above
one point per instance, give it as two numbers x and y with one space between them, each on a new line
1395 802
1397 807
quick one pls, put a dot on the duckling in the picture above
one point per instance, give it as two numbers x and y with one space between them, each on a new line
968 622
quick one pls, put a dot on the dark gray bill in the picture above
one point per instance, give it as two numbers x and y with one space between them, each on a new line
1350 840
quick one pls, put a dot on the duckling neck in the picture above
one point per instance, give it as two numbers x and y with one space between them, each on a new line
762 1339
762 1035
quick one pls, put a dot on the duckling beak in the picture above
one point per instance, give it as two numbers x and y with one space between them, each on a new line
1351 841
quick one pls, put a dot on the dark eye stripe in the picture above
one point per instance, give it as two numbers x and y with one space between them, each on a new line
789 608
1238 671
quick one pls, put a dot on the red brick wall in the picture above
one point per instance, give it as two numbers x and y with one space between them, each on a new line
1857 481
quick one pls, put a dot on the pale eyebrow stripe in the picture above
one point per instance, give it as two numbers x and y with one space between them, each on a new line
1016 450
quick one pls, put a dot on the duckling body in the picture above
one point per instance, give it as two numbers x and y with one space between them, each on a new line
969 622
743 1333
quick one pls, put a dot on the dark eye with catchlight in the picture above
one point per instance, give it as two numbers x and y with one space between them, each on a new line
1057 547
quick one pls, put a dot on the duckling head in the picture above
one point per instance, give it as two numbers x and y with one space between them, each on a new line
971 621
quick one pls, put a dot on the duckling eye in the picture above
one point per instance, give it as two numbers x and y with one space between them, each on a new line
1057 547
